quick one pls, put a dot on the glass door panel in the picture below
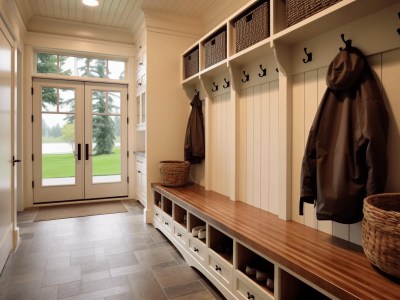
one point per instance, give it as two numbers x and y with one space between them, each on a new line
57 140
106 161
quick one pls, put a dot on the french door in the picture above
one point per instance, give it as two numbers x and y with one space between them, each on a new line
79 140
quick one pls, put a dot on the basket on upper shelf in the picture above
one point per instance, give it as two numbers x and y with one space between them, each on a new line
381 232
298 10
252 25
191 62
174 173
215 48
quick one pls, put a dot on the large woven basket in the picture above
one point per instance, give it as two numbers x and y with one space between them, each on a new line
191 62
381 232
174 173
215 48
298 10
252 26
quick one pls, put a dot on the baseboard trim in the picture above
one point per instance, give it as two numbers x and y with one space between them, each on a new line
6 246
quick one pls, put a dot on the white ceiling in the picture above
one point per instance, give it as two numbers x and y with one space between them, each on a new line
123 15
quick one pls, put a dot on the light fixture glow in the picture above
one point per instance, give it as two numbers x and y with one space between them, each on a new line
90 2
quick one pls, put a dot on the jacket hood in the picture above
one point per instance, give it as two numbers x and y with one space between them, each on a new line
345 69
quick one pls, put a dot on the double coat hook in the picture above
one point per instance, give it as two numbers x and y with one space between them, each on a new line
247 77
215 87
398 29
346 42
263 71
309 56
225 86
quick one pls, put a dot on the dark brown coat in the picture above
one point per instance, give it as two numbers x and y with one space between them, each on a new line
194 148
345 158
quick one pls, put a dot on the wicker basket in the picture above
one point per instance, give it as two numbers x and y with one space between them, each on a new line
215 48
298 10
381 232
191 62
174 173
252 26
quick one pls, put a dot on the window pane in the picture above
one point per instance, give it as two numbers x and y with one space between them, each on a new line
97 68
114 102
46 63
66 100
116 69
49 99
58 142
81 66
99 102
68 66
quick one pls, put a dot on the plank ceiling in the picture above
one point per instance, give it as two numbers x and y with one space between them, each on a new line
126 14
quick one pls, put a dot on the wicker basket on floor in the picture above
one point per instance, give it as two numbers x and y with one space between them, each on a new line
174 173
381 232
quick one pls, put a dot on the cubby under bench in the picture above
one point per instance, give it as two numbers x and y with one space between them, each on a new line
238 240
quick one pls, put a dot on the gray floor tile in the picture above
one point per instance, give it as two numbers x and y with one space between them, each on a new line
110 257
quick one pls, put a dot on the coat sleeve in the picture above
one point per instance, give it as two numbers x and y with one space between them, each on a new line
375 133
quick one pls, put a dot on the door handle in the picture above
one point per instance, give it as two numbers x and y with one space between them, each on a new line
87 151
79 151
15 160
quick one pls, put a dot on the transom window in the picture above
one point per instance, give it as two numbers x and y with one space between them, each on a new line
47 63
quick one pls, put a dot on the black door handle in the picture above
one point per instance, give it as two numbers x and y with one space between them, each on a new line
15 160
79 151
87 151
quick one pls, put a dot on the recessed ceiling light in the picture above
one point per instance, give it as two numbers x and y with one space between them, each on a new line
90 2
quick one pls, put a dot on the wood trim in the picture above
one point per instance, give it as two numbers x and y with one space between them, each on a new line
334 265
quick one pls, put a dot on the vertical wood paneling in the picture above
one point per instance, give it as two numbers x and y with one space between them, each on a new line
310 109
220 170
250 145
242 145
257 147
274 146
297 142
265 142
390 81
324 226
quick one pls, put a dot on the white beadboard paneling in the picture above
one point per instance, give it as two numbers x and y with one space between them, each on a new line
274 147
265 142
242 142
310 109
390 81
297 142
250 145
355 233
340 230
257 147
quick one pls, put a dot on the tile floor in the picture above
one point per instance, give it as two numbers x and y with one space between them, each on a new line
115 256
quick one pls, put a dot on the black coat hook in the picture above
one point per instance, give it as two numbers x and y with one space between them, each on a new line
197 92
247 77
264 72
225 86
215 87
309 56
277 70
346 42
398 29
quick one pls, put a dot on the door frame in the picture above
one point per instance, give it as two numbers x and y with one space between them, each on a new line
83 189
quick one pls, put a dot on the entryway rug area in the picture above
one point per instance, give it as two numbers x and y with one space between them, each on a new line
46 213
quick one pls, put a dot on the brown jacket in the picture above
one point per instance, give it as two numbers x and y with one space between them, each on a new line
194 148
345 158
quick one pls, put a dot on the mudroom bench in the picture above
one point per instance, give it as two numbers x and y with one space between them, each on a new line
238 239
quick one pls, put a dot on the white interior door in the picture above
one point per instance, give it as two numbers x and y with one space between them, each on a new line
79 140
6 225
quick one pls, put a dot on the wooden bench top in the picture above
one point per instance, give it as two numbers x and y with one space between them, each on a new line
334 265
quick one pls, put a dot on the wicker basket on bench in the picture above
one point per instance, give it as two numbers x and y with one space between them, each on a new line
174 173
381 232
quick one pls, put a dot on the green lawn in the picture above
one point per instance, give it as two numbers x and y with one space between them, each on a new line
62 165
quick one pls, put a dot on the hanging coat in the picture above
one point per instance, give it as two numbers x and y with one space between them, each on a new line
194 149
345 158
